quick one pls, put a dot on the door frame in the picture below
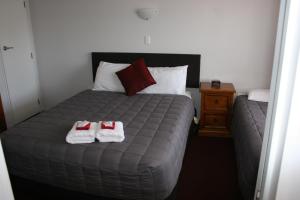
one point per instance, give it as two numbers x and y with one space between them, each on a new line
7 106
33 50
283 80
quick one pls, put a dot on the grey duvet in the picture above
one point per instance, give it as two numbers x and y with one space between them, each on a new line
247 129
145 166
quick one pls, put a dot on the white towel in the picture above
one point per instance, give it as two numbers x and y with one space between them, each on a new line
81 136
110 135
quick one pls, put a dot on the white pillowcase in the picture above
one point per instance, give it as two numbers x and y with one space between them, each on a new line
169 80
259 95
106 78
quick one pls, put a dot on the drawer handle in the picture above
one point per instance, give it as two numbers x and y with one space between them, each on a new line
216 101
215 120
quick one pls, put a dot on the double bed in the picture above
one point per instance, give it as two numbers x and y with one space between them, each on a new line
146 165
247 128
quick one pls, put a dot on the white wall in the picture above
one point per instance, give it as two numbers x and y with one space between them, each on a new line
234 37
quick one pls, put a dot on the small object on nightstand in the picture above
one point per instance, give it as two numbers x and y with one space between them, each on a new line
216 84
216 104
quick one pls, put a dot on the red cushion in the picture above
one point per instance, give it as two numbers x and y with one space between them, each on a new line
135 77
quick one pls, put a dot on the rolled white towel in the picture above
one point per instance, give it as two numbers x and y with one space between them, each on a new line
110 135
81 136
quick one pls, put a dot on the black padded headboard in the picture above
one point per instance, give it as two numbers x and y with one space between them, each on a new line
154 60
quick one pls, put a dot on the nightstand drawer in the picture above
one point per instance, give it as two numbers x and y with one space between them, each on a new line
216 102
215 120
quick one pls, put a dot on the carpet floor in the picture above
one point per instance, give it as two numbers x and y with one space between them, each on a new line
209 170
208 173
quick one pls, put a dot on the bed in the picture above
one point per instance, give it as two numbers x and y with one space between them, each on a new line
145 166
247 128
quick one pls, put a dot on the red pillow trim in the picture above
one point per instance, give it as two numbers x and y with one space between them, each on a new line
135 77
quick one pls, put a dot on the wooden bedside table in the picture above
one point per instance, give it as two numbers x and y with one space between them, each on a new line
216 107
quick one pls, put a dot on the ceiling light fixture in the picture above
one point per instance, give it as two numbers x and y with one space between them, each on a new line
147 13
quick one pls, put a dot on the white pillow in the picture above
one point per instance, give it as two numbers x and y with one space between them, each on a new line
259 95
106 78
169 80
188 94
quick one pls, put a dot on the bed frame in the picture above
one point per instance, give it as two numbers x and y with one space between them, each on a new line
154 60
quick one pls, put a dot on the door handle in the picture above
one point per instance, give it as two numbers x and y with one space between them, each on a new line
5 48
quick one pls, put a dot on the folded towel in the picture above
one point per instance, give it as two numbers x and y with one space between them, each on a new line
80 141
81 136
110 135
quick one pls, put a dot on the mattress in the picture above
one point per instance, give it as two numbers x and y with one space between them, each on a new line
145 166
247 129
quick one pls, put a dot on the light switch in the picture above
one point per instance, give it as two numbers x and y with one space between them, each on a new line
147 39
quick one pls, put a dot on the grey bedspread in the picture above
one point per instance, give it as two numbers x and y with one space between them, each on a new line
248 128
145 166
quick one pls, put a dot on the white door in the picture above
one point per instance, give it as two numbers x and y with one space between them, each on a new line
18 65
